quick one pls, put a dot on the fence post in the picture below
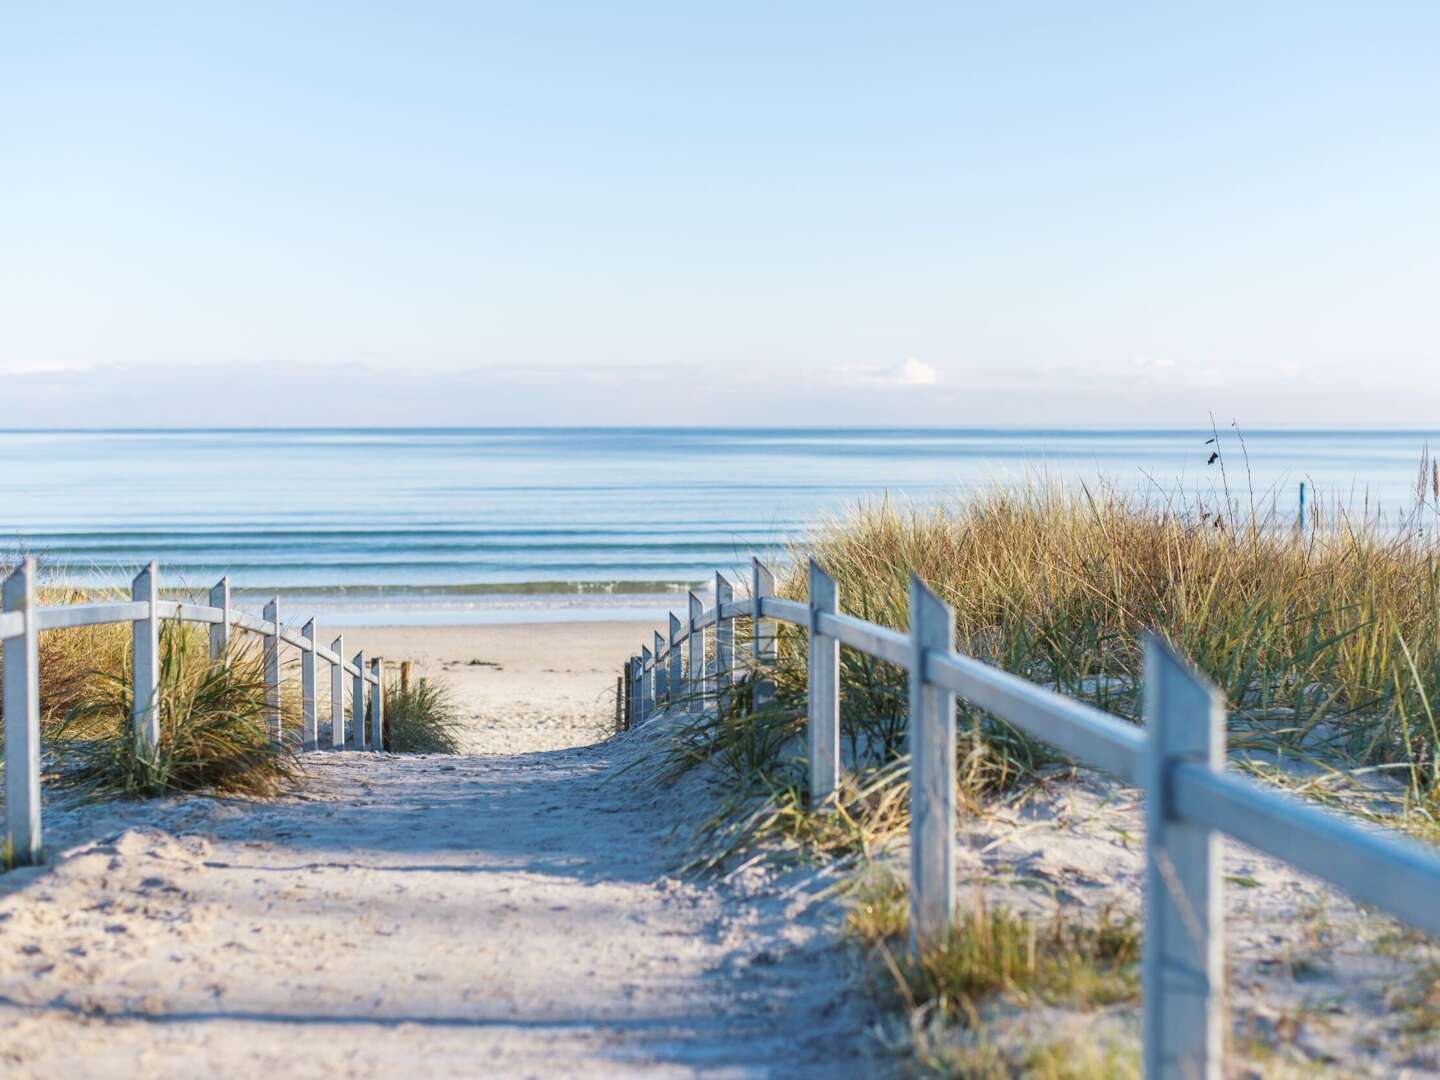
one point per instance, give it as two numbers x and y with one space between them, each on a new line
647 683
662 689
309 704
632 685
220 632
357 704
822 714
762 633
675 677
1183 947
696 651
21 699
724 634
145 653
932 773
337 694
377 705
272 672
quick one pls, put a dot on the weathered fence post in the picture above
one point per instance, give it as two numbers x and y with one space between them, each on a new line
696 654
337 694
145 654
762 633
272 671
309 703
21 700
1183 947
822 714
377 705
357 704
220 632
647 683
405 668
932 773
662 689
675 677
724 634
632 693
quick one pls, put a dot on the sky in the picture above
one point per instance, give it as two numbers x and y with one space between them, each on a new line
810 213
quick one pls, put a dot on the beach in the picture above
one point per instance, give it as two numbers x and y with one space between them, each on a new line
513 911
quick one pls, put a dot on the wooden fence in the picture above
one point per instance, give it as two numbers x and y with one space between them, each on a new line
22 621
1177 758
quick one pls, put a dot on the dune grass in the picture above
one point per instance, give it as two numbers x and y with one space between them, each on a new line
213 733
1325 640
995 959
421 719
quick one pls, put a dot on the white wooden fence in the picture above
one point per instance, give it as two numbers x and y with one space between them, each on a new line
22 620
1177 758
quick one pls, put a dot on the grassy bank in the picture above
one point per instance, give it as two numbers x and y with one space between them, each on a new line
1325 640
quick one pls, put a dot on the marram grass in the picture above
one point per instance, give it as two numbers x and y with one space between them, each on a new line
421 719
213 733
1325 641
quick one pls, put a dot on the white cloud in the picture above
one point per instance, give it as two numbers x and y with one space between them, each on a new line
912 372
915 373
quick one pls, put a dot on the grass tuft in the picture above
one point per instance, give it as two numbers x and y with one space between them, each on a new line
1079 963
421 719
213 735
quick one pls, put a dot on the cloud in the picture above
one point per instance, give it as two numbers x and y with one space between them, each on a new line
915 373
912 372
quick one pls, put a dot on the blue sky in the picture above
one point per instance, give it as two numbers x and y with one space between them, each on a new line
571 213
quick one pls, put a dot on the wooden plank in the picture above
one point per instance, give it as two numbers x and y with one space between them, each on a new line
337 694
1374 866
220 632
197 613
145 653
60 618
724 635
763 650
1182 949
932 774
309 705
822 713
1082 731
878 641
357 703
695 656
245 621
21 703
377 704
291 636
790 611
12 624
272 671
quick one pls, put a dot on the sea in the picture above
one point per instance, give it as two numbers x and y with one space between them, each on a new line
482 525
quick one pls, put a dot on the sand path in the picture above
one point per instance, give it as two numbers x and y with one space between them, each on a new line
441 916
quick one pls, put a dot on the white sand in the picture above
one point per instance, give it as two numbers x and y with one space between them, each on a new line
509 912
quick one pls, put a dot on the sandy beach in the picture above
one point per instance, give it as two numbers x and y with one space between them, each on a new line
512 911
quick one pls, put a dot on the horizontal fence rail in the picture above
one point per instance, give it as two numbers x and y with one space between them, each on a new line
1177 758
23 619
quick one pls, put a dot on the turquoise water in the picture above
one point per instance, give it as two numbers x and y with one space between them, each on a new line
454 525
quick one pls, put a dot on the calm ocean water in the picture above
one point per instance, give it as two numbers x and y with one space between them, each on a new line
456 525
